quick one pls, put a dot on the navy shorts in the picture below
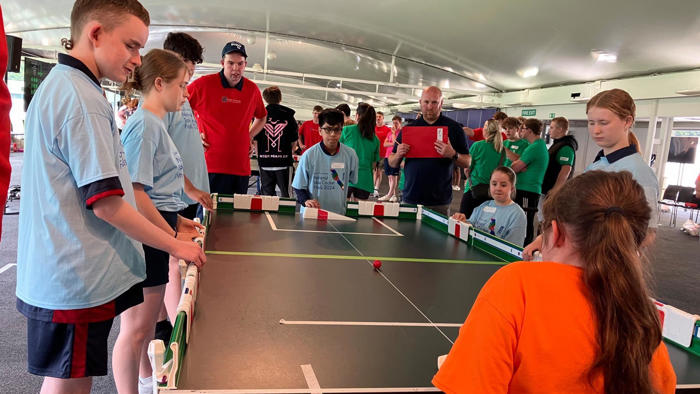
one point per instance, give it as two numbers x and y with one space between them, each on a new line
228 184
157 261
389 169
72 343
190 212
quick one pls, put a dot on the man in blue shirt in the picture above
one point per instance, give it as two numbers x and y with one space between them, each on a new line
327 168
429 180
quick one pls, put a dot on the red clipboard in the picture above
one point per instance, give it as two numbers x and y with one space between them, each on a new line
422 140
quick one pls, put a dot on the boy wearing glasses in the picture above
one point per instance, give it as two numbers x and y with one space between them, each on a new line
326 169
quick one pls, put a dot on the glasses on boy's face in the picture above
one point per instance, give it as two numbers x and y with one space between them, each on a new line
332 130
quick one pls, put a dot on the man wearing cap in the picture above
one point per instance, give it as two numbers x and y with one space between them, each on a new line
225 103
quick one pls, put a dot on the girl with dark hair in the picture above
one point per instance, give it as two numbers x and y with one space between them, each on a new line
362 139
583 321
157 176
500 216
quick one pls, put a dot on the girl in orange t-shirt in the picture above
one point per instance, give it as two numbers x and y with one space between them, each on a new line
582 322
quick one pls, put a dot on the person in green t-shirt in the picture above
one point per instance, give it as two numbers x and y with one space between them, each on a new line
530 168
487 154
362 138
514 144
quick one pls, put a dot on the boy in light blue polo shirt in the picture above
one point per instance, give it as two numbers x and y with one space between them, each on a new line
326 169
183 129
77 266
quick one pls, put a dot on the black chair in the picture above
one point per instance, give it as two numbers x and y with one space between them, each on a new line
686 199
670 198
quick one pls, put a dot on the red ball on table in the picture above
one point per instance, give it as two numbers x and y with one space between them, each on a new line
377 264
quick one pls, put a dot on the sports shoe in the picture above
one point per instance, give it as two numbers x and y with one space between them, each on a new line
146 385
376 193
455 187
385 198
394 199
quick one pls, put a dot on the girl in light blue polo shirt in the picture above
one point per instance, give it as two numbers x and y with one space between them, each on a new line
501 216
157 175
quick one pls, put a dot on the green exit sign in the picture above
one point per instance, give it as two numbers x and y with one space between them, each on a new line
529 112
552 115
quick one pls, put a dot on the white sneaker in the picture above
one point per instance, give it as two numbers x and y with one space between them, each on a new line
376 193
146 385
385 198
393 199
455 187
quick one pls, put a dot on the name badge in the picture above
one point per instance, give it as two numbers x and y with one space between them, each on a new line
490 209
338 165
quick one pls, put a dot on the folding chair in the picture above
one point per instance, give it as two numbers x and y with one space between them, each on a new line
687 200
670 198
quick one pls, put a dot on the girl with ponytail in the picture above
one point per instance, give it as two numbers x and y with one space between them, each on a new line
582 321
157 176
611 115
487 154
361 138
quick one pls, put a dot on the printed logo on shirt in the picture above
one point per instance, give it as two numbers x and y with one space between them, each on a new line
273 132
564 159
190 122
225 99
122 159
180 166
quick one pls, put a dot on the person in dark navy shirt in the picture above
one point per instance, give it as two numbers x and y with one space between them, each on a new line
429 180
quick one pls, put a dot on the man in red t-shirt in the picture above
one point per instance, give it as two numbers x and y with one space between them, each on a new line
5 104
308 132
381 130
224 104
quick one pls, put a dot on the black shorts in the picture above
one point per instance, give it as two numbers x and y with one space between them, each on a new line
190 212
73 343
157 265
389 169
358 193
228 184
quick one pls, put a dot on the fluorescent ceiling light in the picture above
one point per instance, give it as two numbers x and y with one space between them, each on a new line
689 92
528 72
580 99
466 104
604 56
